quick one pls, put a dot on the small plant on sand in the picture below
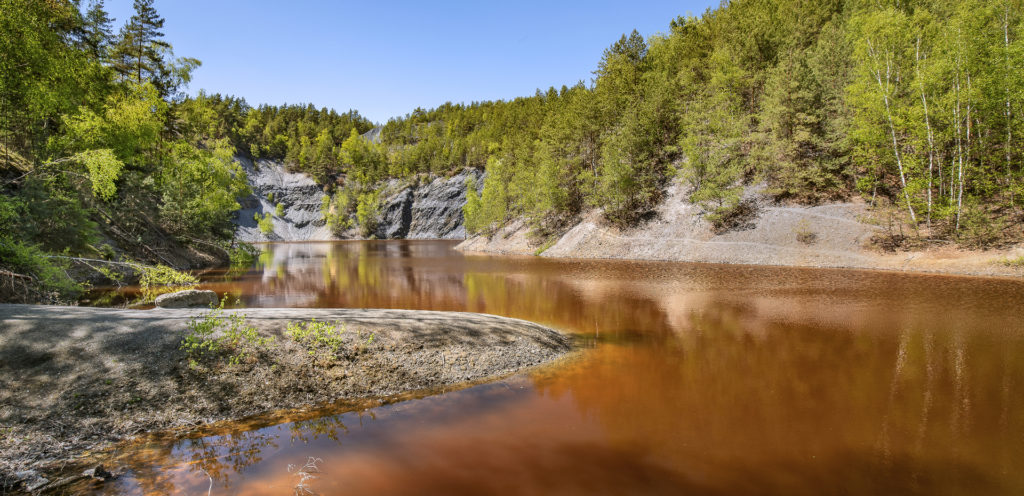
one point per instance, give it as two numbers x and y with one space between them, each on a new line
318 337
1013 262
804 234
215 334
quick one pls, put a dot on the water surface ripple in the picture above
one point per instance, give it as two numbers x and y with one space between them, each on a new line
696 379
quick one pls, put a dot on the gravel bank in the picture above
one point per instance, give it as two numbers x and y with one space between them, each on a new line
832 235
76 379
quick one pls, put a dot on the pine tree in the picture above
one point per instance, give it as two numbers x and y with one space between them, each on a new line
97 36
139 53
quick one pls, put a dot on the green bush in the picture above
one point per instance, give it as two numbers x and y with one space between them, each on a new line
215 336
1013 262
279 210
243 255
337 210
319 338
157 280
266 223
49 281
368 213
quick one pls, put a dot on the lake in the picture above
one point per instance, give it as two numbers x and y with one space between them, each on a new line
691 379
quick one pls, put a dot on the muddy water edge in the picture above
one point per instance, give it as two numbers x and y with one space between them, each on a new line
698 379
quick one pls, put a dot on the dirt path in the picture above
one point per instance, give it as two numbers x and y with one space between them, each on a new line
75 379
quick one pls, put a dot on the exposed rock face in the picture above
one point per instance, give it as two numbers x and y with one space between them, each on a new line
396 215
192 298
432 210
429 211
300 196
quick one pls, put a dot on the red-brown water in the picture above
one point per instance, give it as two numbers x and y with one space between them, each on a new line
695 379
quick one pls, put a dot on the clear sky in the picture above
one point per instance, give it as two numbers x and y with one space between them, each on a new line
386 58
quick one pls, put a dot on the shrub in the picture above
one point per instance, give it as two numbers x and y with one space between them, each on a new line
804 234
279 210
368 212
40 278
337 210
319 338
243 255
157 280
1013 262
214 335
266 223
729 216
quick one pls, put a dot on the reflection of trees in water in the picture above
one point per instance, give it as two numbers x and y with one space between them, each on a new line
719 400
328 427
221 458
886 382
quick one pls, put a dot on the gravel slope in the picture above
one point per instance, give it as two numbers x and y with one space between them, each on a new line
830 235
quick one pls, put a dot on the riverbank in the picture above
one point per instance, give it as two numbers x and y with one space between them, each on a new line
74 380
835 235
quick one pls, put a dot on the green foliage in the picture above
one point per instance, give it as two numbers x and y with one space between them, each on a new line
471 210
104 170
48 279
199 189
243 255
266 223
368 212
365 160
160 279
337 210
129 124
279 210
216 335
319 338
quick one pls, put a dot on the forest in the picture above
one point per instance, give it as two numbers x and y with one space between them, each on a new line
914 106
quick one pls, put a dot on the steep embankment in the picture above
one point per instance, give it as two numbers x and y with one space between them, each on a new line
831 235
299 196
429 209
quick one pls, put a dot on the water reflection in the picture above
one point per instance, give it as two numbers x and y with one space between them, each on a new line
699 379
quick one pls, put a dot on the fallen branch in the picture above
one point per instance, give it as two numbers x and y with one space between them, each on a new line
15 275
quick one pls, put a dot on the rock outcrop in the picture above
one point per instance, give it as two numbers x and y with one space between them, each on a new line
299 195
191 298
424 210
429 211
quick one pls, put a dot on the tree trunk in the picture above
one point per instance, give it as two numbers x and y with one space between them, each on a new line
884 88
928 126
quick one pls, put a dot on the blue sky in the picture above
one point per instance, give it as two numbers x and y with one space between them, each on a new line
386 58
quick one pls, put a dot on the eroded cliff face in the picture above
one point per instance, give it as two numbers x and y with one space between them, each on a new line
300 196
430 209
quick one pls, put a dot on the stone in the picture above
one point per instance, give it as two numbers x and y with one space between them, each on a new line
31 480
192 298
98 472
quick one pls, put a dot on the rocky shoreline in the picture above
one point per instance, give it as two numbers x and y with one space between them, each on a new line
76 379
